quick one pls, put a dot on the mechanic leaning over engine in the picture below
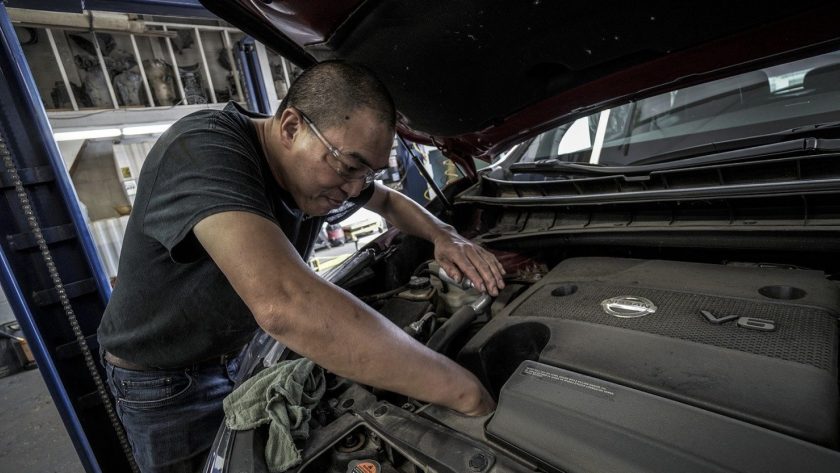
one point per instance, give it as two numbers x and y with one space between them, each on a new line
228 204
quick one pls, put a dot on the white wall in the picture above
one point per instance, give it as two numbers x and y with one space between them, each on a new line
70 151
6 314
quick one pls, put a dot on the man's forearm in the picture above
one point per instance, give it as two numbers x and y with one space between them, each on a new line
411 218
343 335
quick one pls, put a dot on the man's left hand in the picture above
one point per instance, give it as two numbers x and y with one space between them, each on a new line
460 257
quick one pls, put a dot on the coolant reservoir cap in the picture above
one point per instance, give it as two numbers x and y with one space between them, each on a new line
417 282
364 466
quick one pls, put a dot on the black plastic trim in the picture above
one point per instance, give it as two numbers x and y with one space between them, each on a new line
577 423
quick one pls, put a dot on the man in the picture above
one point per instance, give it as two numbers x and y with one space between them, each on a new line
227 204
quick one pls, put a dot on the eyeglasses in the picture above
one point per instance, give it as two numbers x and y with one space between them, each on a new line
347 167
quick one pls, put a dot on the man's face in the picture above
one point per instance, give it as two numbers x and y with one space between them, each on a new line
314 177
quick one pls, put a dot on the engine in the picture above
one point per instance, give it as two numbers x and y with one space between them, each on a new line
660 360
609 364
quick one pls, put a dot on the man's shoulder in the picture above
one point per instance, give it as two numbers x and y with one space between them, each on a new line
188 141
209 119
226 128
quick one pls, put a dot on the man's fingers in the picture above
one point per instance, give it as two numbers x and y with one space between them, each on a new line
490 268
495 267
459 263
475 263
451 270
470 272
483 271
498 264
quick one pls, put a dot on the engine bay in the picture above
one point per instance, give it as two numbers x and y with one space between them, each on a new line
598 363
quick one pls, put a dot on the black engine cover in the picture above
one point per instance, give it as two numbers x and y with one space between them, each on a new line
765 351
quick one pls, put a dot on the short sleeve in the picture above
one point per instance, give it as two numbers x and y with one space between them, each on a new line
201 173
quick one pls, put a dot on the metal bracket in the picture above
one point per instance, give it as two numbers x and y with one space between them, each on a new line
28 176
25 241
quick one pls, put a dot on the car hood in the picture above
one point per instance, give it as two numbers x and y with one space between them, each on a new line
474 77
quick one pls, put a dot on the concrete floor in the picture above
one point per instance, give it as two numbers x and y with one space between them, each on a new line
32 436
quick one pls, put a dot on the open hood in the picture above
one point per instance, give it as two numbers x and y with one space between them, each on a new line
474 77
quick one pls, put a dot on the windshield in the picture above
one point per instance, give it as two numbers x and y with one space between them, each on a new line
764 101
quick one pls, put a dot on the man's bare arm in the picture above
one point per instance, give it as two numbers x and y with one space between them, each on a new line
456 254
326 324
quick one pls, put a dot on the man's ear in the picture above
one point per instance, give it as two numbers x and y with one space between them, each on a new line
290 125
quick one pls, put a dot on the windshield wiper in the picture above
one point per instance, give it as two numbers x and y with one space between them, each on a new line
552 165
752 145
716 152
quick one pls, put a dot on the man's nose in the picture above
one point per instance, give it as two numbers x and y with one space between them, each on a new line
353 187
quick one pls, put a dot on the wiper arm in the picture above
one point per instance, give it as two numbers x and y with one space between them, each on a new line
735 150
815 127
740 144
552 165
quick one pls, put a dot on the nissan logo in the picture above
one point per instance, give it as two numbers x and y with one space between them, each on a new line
628 307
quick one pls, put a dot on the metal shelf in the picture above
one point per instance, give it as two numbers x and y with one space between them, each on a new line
107 69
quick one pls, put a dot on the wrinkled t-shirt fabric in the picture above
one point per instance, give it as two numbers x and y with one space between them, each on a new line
172 306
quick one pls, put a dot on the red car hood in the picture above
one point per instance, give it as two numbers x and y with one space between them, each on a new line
474 77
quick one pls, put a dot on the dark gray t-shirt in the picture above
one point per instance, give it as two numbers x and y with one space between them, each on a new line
172 306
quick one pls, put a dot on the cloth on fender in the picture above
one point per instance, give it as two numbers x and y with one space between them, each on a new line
282 396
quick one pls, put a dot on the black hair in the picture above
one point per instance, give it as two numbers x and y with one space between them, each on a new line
327 92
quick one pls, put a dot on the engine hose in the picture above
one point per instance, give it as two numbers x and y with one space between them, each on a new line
424 266
383 295
46 255
455 325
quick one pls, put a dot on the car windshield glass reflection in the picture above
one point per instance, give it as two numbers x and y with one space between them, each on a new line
756 103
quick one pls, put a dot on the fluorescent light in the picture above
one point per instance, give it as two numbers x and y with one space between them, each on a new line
111 132
145 129
85 134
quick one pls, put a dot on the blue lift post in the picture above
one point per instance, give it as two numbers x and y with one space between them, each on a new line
49 268
249 64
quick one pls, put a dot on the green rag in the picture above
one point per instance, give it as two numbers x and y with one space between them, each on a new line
283 397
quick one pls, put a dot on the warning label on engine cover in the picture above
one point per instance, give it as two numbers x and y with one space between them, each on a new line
579 384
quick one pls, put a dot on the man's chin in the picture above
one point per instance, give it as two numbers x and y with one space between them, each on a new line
332 204
321 208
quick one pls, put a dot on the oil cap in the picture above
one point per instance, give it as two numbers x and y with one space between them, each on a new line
364 466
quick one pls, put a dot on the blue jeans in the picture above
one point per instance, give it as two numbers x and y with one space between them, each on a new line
171 416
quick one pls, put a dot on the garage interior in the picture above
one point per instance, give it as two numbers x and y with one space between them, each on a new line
663 198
